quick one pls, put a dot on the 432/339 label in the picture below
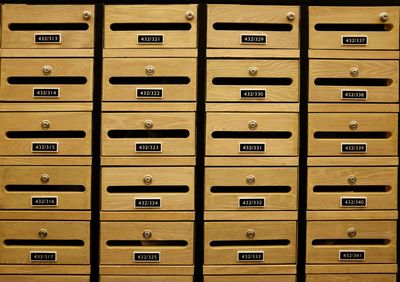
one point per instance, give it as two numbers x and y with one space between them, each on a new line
353 148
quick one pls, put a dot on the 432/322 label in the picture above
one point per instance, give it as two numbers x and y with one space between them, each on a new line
148 93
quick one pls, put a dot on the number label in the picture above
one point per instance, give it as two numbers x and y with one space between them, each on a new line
352 255
256 202
44 201
43 256
148 147
46 93
253 94
47 38
154 203
253 39
252 148
44 147
146 257
250 256
354 94
354 40
353 202
150 39
149 93
354 148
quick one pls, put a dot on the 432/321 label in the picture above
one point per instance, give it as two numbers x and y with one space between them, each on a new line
148 147
150 39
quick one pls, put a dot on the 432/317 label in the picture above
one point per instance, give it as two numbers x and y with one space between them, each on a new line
146 257
253 39
41 256
250 256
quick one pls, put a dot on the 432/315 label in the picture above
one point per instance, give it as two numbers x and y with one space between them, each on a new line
44 147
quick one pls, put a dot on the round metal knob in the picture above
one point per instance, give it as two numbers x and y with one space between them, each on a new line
291 16
250 233
45 124
147 234
352 232
150 70
353 125
384 16
43 233
86 15
189 15
148 124
47 70
45 178
352 179
147 179
354 72
253 124
251 179
253 71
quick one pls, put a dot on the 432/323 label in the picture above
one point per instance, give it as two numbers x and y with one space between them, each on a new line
148 147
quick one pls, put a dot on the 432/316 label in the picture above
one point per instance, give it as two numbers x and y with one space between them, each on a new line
146 257
44 201
250 256
253 39
148 147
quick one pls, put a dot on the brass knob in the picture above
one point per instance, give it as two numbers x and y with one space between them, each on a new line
352 232
189 15
45 178
354 72
250 233
253 71
147 234
353 125
352 179
384 16
253 124
45 124
86 15
47 70
43 233
291 16
147 179
150 70
148 124
251 179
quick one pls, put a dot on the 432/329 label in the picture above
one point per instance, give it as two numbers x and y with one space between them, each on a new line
253 39
148 147
146 257
150 39
250 256
252 147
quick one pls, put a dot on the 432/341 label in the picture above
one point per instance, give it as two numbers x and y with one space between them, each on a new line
352 255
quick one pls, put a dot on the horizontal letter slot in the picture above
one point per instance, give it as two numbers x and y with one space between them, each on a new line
47 80
69 243
353 27
253 26
252 81
45 188
345 242
249 243
147 189
251 135
158 133
146 243
47 26
46 134
252 189
352 188
352 135
150 26
121 80
353 82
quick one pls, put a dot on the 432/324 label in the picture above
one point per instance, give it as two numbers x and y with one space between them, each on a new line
154 203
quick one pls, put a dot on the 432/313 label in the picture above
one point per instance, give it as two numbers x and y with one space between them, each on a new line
250 256
148 147
47 38
253 39
146 257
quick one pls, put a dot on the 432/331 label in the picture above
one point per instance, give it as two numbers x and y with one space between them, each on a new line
252 147
250 256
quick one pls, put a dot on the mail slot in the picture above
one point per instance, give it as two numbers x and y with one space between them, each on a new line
45 187
45 242
352 134
340 242
46 80
147 188
250 242
44 278
146 243
352 188
150 26
351 277
248 26
354 81
148 134
358 28
45 133
149 79
252 80
254 188
47 26
250 278
252 134
146 278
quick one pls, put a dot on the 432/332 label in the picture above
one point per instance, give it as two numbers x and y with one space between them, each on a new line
256 202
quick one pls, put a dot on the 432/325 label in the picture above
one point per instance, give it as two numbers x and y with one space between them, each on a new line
146 257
